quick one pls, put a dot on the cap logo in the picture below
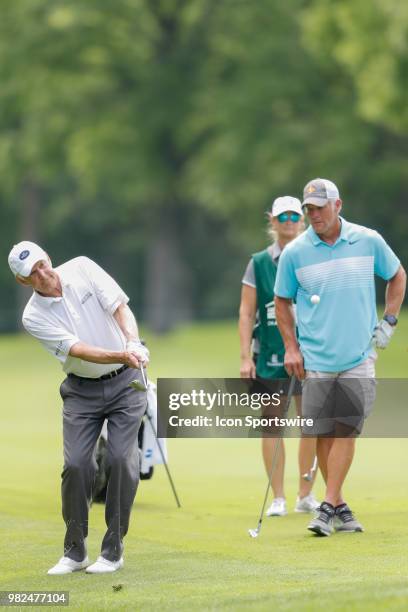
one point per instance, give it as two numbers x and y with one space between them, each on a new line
310 189
23 255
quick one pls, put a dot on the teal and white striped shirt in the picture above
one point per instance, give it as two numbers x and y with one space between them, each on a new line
335 334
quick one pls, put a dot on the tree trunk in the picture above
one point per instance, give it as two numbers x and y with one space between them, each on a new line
167 287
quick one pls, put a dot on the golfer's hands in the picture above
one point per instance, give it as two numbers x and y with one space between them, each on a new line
294 363
248 368
137 351
382 334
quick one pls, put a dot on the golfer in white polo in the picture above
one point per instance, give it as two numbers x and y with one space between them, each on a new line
336 261
80 315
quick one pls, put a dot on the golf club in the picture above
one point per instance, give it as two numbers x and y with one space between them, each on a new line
164 462
254 533
309 475
136 384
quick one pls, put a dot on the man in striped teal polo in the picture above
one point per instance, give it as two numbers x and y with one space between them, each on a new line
329 271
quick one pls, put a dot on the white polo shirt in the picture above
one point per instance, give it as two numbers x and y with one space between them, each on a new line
84 313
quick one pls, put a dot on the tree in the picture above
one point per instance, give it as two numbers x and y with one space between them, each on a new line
365 46
153 134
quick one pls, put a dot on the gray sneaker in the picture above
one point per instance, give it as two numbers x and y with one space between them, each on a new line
344 520
322 524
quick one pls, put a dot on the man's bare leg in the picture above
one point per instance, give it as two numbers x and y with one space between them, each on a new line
339 460
323 447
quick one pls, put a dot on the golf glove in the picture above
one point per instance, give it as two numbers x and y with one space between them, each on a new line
382 334
139 349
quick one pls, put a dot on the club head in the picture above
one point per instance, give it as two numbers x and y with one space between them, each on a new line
137 385
307 477
254 533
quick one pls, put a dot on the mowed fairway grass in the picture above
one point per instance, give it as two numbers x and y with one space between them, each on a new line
199 557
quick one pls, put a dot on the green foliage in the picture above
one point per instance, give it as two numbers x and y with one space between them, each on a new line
361 49
370 42
127 124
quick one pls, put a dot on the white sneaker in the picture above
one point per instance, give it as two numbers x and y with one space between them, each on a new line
306 504
277 507
103 566
66 566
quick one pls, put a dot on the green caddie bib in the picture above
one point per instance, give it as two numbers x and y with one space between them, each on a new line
271 348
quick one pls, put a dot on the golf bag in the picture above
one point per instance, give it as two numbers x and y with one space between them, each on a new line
149 453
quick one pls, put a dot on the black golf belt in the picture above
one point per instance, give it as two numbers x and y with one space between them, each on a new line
104 377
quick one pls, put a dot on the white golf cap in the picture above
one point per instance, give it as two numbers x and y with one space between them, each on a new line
23 256
285 203
319 191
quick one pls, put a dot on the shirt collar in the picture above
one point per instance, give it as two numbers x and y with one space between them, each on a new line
276 251
45 302
344 233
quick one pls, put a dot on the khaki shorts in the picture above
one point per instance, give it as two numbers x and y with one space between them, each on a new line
339 402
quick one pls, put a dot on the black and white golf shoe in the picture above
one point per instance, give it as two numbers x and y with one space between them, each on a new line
322 524
345 521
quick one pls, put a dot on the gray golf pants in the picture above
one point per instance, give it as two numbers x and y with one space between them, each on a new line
87 404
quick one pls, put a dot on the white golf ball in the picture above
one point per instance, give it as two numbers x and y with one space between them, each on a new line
315 299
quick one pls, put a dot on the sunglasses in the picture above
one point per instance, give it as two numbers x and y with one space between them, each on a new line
294 217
